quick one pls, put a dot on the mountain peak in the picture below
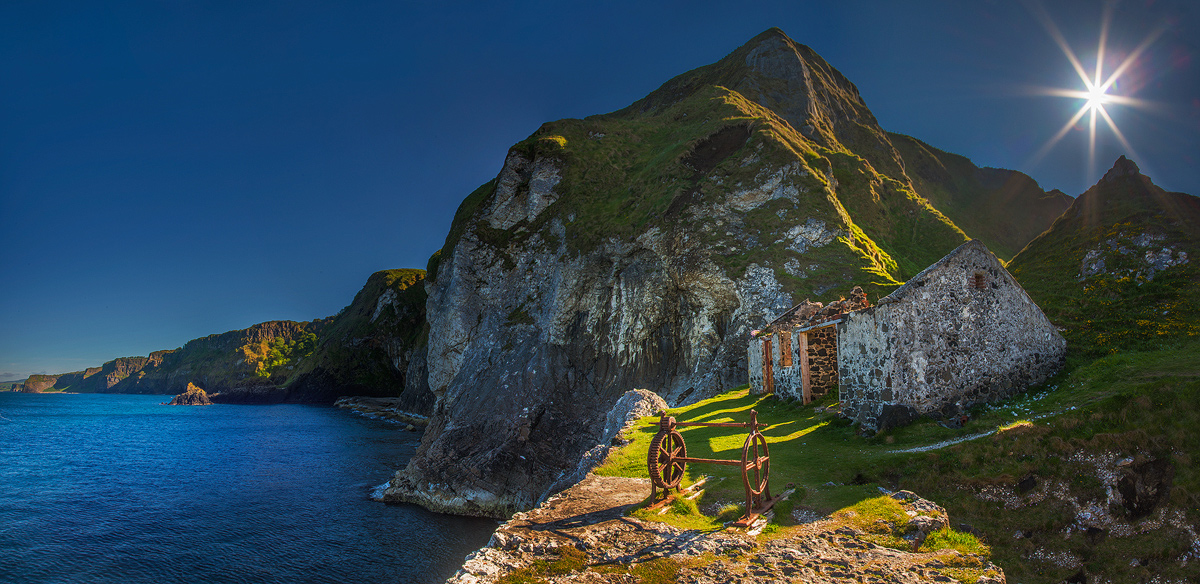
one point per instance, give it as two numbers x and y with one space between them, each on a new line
1122 167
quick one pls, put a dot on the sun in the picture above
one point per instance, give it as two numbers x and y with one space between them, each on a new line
1096 98
1097 89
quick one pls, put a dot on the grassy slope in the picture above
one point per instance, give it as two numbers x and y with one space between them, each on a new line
1119 309
625 173
1003 208
1131 391
1129 405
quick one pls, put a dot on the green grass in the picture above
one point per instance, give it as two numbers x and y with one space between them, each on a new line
568 560
949 539
1145 403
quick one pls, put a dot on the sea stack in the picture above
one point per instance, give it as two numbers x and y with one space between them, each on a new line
194 396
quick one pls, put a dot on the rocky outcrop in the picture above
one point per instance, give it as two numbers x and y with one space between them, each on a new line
193 396
584 534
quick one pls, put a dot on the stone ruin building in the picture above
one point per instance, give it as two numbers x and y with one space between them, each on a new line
961 332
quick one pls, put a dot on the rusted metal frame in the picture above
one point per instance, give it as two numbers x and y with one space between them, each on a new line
711 461
719 424
660 458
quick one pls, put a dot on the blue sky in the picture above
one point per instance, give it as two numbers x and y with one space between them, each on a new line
173 169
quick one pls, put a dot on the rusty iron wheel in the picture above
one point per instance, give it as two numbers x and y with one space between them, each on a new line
756 463
664 459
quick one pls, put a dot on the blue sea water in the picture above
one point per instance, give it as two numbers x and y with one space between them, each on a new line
119 488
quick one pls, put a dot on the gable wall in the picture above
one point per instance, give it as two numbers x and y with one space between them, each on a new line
939 345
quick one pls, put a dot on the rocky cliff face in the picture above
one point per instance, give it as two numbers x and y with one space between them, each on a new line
637 250
93 379
231 365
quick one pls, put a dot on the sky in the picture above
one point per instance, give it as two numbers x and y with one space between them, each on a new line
177 168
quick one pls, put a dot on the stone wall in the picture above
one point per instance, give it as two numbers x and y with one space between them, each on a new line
959 333
822 360
787 364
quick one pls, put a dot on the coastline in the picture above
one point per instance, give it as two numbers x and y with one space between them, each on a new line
384 408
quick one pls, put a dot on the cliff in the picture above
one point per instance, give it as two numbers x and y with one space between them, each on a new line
637 249
93 379
373 347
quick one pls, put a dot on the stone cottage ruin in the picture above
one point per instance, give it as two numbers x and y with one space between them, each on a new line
961 332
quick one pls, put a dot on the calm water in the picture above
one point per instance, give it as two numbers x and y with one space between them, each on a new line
118 488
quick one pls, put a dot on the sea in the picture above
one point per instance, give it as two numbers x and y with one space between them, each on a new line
121 488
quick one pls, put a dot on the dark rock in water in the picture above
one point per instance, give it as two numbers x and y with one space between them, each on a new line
194 396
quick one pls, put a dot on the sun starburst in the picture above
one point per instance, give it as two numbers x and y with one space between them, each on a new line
1096 93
